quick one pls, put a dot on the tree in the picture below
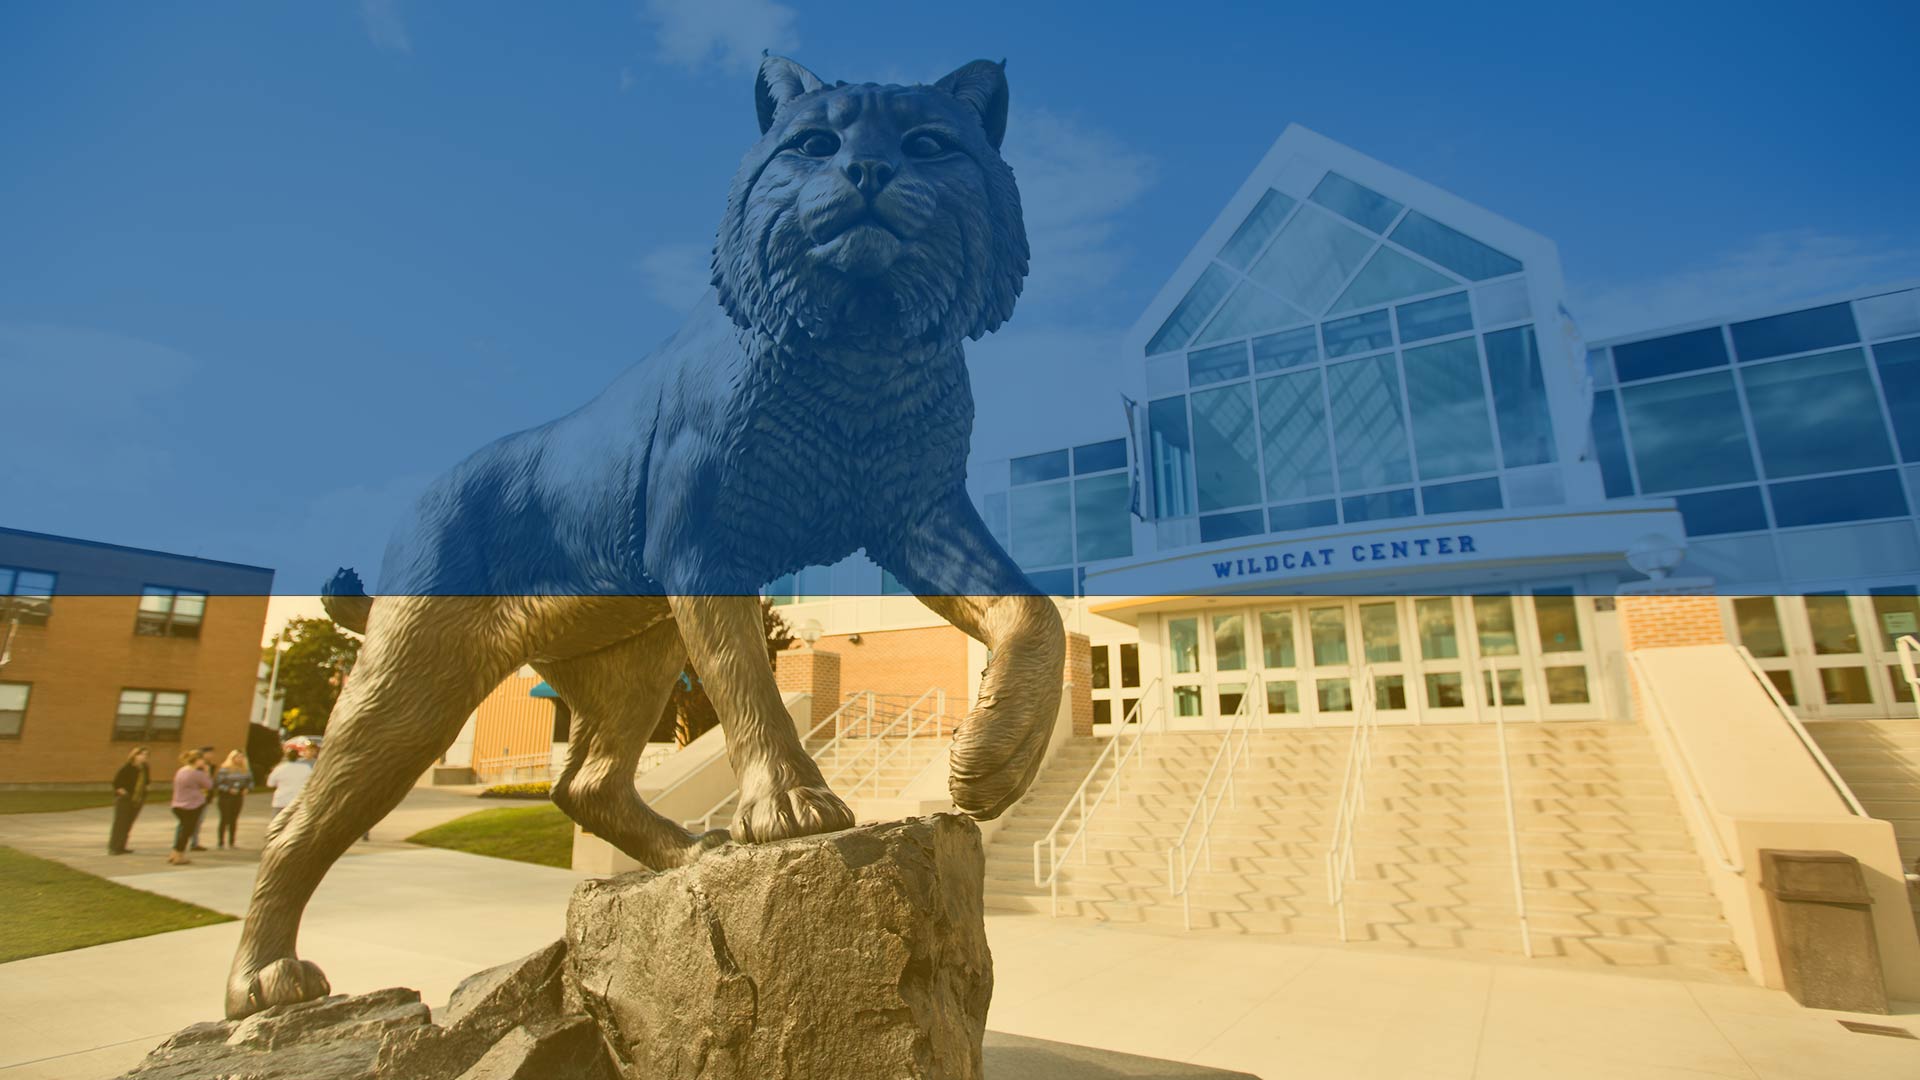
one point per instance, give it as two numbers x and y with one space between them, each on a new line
690 709
313 668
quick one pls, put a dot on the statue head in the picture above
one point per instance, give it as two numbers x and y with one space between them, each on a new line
873 218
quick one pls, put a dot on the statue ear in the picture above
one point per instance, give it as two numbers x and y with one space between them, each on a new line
780 80
983 85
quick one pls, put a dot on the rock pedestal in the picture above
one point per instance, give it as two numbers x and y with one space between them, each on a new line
859 955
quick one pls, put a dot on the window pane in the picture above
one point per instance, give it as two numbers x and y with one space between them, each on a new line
1277 352
1438 638
1102 668
155 601
1838 498
1896 612
1710 513
1445 691
1276 639
1293 433
1368 427
1224 452
1183 635
1283 697
1380 632
1231 697
13 696
1610 445
1387 277
1252 234
1889 315
1172 453
189 607
1234 523
1186 701
1311 258
1217 364
1358 334
1336 695
1312 515
1461 495
1102 523
1830 619
1129 665
1691 351
1100 456
1757 620
1798 331
1687 433
1193 309
1379 506
1448 400
1361 205
1845 686
1783 682
1520 397
1811 415
1456 251
1229 643
1559 623
1513 689
1434 318
1036 468
1327 627
1899 364
1493 621
1041 527
136 701
1249 310
1102 711
1390 691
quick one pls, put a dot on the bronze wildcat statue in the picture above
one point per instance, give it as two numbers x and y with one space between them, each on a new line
817 404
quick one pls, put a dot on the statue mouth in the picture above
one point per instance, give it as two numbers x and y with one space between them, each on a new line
864 249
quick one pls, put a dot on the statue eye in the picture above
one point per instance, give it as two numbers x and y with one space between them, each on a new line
923 144
818 144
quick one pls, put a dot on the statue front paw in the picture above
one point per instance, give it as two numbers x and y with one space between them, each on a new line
287 981
784 813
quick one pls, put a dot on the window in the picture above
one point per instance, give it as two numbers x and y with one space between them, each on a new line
1434 318
1293 434
150 715
1794 332
1379 506
1224 452
13 708
1230 642
1129 665
1855 497
1037 468
1456 251
1217 364
1687 433
1520 398
1757 620
1899 364
1610 446
1691 351
1369 429
1448 401
26 595
1041 526
1248 311
1313 254
1102 528
1232 524
1390 276
1730 510
1291 348
1191 311
1100 456
1461 495
1183 636
169 612
1172 456
1359 334
1817 414
1364 207
1889 315
1252 234
1311 515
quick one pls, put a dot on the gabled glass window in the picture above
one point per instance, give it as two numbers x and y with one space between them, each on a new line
1687 433
1224 448
1036 468
1363 206
1358 334
1192 310
1249 310
1313 255
1291 348
1369 428
1228 526
1434 318
1448 401
1293 433
1217 364
1379 506
1817 414
1670 355
1461 495
1452 249
1390 276
1253 233
1520 398
1308 515
1795 332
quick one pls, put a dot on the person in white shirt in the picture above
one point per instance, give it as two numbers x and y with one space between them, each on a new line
288 777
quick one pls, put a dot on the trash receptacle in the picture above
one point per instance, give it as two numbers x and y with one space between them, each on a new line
1823 926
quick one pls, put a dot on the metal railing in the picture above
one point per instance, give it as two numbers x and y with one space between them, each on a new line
1799 729
936 716
1353 795
1121 750
511 767
861 700
1496 698
1234 751
1689 776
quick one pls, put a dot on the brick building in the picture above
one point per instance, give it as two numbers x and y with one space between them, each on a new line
108 647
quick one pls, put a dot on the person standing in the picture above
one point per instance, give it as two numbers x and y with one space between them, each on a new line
129 797
230 786
190 786
288 777
206 766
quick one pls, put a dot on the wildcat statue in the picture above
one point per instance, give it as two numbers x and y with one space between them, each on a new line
814 404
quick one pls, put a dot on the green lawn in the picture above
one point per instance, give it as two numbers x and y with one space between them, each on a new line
534 834
51 908
45 802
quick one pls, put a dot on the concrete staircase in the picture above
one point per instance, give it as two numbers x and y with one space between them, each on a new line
1880 761
1611 875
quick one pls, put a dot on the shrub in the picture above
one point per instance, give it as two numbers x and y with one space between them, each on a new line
540 789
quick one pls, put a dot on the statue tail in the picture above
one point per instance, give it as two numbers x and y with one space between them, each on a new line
346 600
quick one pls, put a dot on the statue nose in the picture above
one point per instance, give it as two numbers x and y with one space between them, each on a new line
869 175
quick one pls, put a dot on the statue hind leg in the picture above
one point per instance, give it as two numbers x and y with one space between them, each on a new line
617 695
427 663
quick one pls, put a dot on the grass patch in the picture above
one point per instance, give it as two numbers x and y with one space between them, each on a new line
48 802
531 834
51 908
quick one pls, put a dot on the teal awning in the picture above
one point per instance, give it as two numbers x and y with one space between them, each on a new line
543 690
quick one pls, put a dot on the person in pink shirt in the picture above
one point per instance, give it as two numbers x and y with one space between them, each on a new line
190 786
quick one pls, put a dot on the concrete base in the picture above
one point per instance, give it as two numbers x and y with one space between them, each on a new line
1015 1057
452 776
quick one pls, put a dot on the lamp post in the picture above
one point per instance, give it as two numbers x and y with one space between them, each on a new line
809 631
273 682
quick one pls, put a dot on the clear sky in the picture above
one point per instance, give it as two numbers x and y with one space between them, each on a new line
266 268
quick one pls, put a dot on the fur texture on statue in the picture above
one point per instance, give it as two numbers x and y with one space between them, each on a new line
816 403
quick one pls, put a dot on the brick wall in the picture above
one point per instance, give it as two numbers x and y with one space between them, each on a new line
1656 620
813 671
904 662
87 652
1079 677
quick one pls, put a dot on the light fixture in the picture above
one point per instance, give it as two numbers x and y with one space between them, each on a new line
809 631
1655 555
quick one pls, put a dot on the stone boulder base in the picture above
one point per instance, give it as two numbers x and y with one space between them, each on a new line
859 955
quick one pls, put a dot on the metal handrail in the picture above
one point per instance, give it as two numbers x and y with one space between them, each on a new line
705 821
1180 868
1353 794
507 765
1078 800
905 716
1689 775
1806 739
938 717
1908 645
1513 828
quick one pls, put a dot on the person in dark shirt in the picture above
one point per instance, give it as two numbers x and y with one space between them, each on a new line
129 796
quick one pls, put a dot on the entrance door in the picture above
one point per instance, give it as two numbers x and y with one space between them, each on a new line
1831 655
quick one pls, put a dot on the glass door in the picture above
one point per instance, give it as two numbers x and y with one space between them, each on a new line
1568 681
1840 663
1186 677
1379 621
1229 632
1443 686
1116 684
1280 672
1330 660
1757 625
1497 656
1895 614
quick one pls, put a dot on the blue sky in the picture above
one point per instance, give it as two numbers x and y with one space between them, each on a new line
268 268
